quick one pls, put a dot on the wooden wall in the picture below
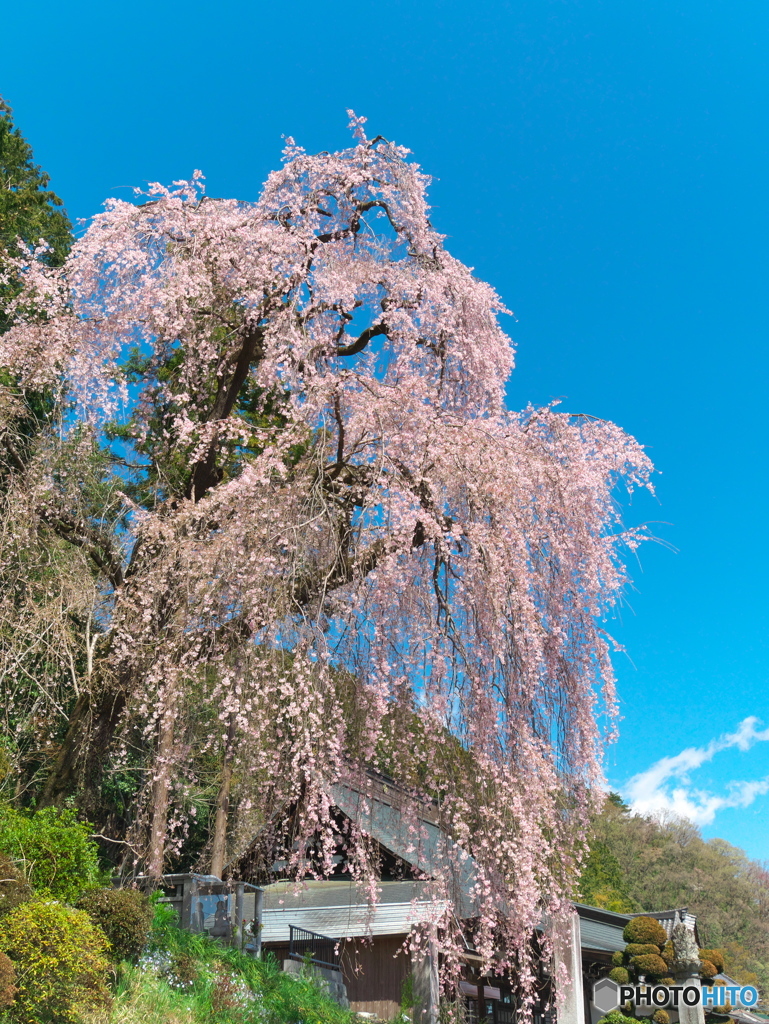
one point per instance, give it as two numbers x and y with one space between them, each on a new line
374 975
372 972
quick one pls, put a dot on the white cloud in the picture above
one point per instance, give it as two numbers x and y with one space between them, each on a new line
666 786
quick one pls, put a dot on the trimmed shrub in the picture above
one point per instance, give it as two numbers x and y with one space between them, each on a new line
8 988
708 969
61 960
645 930
641 949
715 956
618 959
620 975
651 963
617 1017
55 849
661 1017
14 888
124 915
668 953
667 981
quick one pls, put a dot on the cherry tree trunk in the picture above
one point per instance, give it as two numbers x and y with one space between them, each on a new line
219 842
160 796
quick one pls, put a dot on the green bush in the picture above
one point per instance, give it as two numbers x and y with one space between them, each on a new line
651 963
707 969
661 1017
620 975
641 949
53 848
124 915
8 988
617 1017
14 889
646 930
715 956
61 962
668 953
618 959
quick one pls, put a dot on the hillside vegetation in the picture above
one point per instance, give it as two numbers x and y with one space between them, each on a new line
642 863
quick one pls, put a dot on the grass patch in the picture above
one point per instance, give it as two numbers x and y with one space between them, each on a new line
192 979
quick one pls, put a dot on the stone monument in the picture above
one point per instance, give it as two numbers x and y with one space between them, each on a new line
687 968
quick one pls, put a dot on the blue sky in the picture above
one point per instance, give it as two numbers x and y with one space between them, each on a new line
604 165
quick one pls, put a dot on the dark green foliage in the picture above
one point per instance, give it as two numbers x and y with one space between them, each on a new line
14 888
601 883
620 975
28 209
60 960
641 949
124 915
649 964
52 848
8 988
668 953
645 930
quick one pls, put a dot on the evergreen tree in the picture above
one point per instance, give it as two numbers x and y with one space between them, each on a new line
28 208
42 637
29 212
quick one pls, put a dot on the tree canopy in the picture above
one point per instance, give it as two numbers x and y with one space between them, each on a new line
283 458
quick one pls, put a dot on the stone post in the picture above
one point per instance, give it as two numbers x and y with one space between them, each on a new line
426 984
687 972
567 973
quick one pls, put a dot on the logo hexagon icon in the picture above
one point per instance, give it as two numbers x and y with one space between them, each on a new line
605 995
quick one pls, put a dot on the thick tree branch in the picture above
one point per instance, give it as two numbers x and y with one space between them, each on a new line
205 473
362 340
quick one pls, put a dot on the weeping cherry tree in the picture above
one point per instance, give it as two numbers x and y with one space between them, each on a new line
313 477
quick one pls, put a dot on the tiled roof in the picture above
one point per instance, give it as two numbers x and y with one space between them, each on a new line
602 929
